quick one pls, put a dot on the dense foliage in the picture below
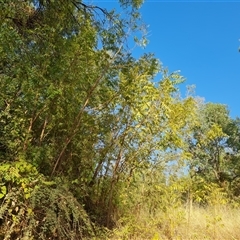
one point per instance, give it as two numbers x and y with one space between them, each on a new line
88 138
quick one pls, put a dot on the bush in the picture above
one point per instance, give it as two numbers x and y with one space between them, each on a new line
34 208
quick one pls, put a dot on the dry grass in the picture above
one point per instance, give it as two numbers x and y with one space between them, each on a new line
215 223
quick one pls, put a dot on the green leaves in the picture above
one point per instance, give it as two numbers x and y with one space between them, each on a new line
133 3
212 151
87 123
3 191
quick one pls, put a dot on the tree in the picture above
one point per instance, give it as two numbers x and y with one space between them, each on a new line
214 148
80 116
232 157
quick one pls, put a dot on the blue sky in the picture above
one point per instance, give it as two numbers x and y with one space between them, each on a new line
200 38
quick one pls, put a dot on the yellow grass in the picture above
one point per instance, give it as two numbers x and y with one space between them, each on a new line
213 223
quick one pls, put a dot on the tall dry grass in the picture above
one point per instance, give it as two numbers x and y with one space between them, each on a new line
216 222
213 223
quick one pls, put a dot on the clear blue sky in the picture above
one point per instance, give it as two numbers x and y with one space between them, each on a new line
200 38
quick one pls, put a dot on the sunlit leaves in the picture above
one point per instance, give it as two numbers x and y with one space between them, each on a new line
3 191
133 3
78 108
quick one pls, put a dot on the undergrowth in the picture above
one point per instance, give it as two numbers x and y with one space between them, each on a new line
33 207
212 223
